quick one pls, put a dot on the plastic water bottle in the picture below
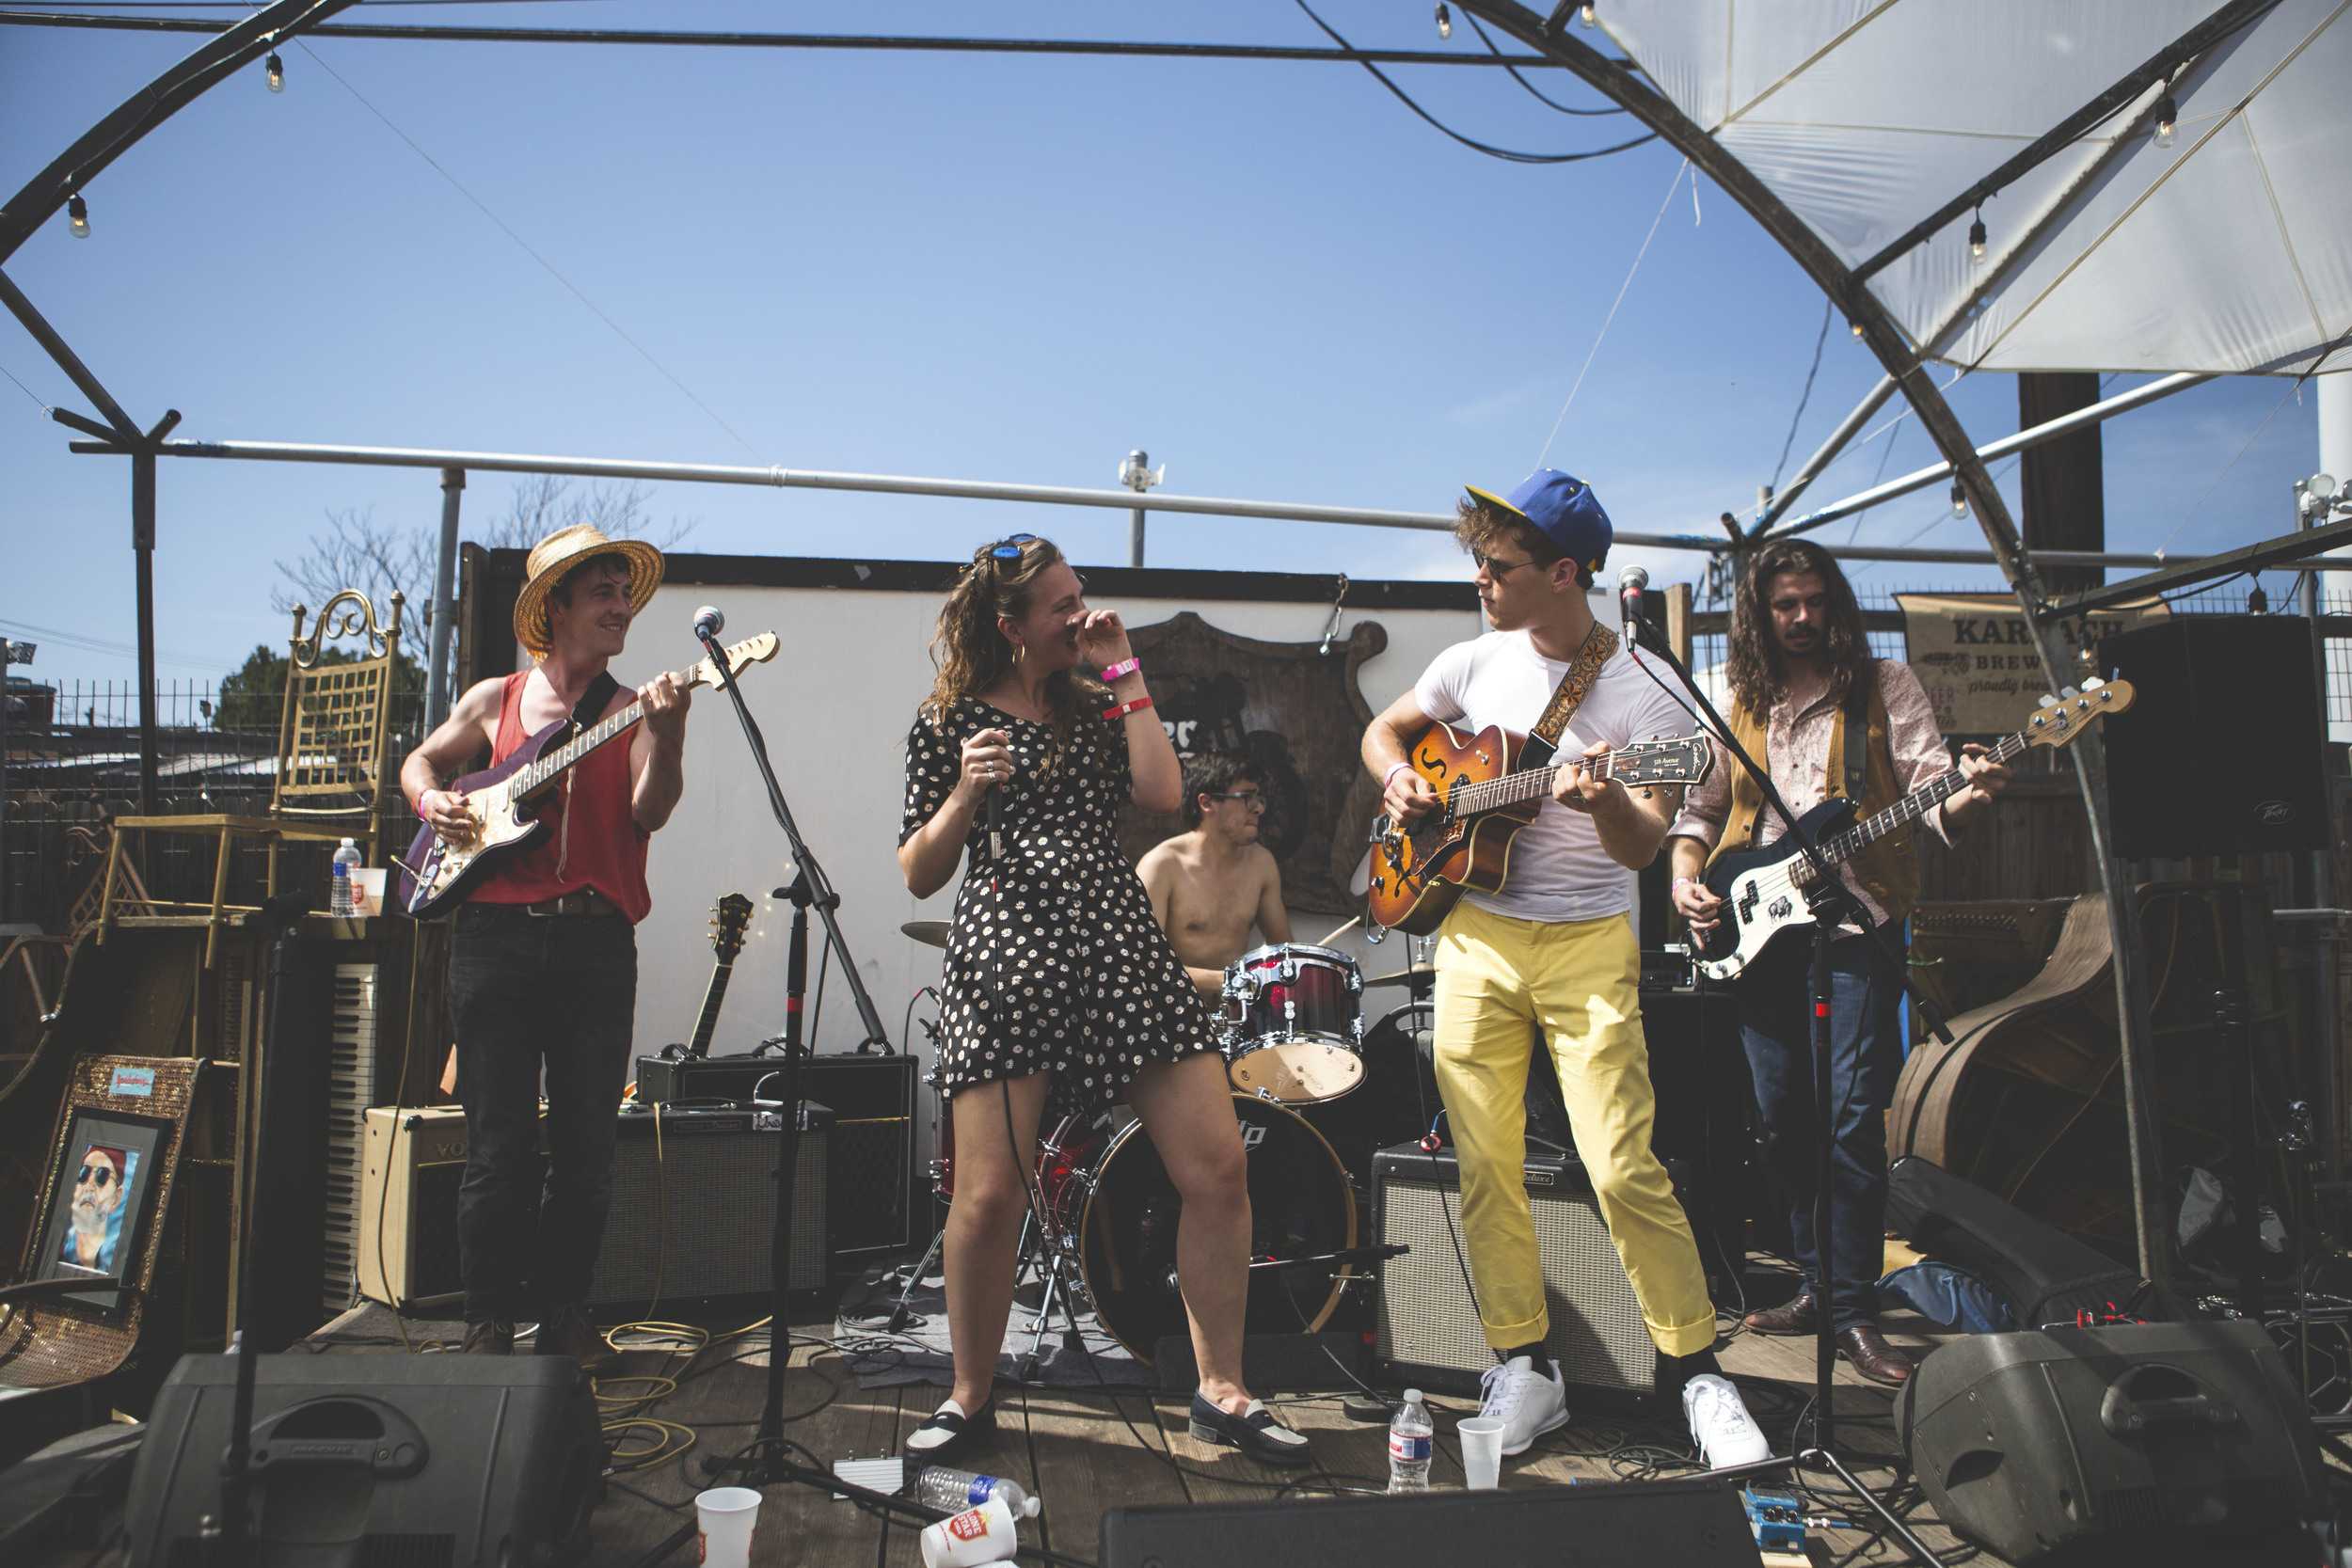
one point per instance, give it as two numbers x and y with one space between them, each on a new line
1409 1439
952 1491
339 901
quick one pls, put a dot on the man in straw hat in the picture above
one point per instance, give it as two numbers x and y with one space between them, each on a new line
542 972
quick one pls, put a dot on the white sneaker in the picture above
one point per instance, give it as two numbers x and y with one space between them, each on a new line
1720 1424
1527 1403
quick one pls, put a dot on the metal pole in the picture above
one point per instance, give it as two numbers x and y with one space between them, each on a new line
143 551
2163 387
444 588
2327 934
7 663
1824 454
1134 539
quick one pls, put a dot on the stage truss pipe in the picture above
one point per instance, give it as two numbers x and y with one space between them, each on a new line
54 345
1886 340
444 592
143 559
1825 453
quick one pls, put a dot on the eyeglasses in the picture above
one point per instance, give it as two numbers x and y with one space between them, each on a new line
1496 569
1255 802
1008 547
103 1175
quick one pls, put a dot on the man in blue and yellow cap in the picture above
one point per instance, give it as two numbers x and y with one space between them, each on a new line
1553 949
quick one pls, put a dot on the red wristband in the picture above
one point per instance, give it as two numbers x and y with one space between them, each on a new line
1121 710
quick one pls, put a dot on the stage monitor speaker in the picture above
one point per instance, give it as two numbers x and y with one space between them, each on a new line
413 1160
1690 1524
2243 680
872 1098
2044 1275
1429 1333
695 1207
454 1460
2132 1434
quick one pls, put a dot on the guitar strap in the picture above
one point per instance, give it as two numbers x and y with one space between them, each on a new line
585 713
1599 644
1853 743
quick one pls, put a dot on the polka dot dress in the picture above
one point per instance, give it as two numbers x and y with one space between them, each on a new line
1055 963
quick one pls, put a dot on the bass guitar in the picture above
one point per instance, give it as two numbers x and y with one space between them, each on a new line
1483 799
503 802
1770 890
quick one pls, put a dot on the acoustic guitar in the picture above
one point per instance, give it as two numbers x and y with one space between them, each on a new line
729 918
1420 870
503 802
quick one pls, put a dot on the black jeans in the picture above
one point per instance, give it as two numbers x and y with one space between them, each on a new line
526 991
1866 1057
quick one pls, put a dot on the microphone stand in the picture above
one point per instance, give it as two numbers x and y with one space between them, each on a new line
764 1460
1829 907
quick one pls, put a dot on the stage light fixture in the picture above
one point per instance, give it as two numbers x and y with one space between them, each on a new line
77 216
1960 501
1976 238
1445 21
2322 485
2167 119
275 70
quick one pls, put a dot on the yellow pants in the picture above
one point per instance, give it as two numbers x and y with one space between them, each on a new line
1580 981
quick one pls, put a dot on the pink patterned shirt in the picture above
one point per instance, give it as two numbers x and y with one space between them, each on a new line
1796 738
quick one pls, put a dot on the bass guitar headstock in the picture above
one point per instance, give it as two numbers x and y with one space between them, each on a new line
2059 720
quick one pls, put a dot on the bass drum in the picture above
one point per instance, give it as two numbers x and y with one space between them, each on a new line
1301 1201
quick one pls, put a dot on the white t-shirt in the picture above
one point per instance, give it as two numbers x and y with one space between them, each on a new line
1559 871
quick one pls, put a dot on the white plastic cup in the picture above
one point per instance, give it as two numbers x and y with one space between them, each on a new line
726 1515
977 1535
1482 1451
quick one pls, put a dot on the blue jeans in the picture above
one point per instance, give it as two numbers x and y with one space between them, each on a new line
526 991
1866 1056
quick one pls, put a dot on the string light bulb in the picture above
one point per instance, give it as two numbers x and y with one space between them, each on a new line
2167 119
1855 327
1976 237
1588 15
1445 21
1960 501
77 216
273 71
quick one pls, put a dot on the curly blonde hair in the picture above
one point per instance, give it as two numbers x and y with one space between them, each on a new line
972 655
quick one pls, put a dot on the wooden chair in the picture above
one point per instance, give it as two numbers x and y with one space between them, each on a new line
333 770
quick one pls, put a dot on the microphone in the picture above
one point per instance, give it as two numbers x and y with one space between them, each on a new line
1629 585
708 623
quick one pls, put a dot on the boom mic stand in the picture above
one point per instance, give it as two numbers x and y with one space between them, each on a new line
764 1460
1830 907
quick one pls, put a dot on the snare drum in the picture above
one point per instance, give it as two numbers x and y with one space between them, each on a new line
1295 1027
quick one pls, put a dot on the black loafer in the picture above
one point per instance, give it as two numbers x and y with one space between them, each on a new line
1254 1431
949 1432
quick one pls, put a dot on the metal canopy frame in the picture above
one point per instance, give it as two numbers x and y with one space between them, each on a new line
1906 369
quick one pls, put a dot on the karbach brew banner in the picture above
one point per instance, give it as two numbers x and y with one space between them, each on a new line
1974 655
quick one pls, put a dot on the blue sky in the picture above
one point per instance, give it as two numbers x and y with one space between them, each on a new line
1269 274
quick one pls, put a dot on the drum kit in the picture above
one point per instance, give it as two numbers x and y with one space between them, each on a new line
1316 1093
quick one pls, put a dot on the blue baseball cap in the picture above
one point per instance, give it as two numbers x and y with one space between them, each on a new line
1563 509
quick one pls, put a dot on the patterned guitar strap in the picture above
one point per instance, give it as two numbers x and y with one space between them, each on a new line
1600 643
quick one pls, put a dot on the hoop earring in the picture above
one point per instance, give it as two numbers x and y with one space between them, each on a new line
1020 652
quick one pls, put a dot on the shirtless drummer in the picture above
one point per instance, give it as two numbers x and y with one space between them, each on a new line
1209 886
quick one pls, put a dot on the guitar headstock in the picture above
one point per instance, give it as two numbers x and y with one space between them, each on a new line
2059 720
1685 760
740 657
729 919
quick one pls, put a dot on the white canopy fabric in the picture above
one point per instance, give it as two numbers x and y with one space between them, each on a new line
2227 252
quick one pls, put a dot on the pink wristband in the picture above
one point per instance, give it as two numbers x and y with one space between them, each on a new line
1124 667
1390 777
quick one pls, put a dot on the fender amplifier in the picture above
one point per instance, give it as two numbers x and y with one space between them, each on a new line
1429 1332
412 1161
872 1098
695 1207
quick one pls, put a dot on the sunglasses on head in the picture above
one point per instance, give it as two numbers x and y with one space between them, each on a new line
103 1175
1008 547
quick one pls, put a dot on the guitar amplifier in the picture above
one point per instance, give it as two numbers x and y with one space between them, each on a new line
695 1207
872 1142
413 1159
1429 1333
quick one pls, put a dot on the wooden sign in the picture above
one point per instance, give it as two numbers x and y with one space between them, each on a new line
1974 655
1297 714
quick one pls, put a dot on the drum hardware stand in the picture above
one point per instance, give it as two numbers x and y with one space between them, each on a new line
1060 1261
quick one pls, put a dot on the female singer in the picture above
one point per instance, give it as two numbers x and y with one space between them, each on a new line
1060 983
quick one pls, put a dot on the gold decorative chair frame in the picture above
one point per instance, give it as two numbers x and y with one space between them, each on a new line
333 773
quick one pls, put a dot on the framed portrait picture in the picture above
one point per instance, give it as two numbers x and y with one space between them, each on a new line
103 1201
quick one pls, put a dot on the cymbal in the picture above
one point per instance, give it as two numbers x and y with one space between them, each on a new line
1419 979
931 933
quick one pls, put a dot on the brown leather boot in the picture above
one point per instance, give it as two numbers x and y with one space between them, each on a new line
1790 1317
1872 1357
567 1331
489 1338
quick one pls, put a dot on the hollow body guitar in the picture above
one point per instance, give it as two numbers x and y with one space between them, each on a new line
438 873
1771 890
1485 796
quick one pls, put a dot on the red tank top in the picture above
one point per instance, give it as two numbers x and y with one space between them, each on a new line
592 837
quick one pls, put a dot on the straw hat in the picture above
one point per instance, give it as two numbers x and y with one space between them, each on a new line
557 554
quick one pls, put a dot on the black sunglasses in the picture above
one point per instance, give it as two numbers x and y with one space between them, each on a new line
1251 795
103 1175
1494 568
